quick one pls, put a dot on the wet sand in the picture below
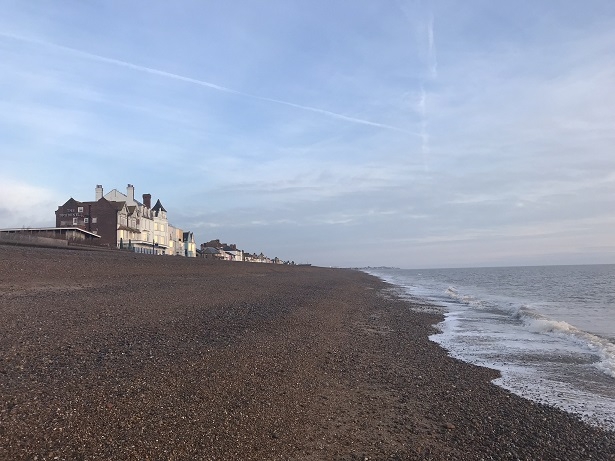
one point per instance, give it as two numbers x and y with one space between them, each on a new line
107 355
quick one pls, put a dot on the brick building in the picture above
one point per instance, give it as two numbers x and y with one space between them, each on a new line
123 222
99 217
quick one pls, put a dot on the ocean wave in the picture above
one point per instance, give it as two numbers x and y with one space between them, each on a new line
550 344
541 324
603 348
469 300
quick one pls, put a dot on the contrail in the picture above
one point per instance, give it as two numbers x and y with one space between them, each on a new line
424 133
433 62
194 81
425 26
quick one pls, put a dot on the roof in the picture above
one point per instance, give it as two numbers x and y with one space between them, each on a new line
47 229
116 191
103 200
70 200
123 195
158 206
118 205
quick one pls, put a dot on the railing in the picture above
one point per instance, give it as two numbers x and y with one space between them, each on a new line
142 247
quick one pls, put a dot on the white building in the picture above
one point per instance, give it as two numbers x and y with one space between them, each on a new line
142 227
189 245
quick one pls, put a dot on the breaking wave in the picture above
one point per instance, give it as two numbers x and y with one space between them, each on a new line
541 324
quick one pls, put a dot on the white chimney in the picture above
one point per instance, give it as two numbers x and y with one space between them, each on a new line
130 192
99 192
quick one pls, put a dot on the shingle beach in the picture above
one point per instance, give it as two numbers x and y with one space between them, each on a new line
118 356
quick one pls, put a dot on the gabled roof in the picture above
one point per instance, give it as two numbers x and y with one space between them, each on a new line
158 206
105 202
117 192
71 200
120 194
118 205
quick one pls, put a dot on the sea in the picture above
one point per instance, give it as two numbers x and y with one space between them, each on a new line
549 330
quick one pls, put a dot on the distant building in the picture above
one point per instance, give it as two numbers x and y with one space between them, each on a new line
235 254
214 253
125 223
231 253
176 241
189 245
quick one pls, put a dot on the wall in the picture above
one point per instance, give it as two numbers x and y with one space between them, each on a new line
27 239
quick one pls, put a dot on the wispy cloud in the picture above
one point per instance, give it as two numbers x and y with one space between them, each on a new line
422 105
501 141
425 29
202 83
431 48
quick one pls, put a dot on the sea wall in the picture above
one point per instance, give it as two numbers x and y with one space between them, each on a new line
31 240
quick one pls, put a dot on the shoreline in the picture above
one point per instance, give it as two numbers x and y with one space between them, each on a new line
572 372
123 356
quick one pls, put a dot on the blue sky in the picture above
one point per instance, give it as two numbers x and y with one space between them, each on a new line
344 133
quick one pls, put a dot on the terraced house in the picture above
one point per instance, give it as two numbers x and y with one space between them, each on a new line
125 223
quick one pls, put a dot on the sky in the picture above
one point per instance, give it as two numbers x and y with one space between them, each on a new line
402 133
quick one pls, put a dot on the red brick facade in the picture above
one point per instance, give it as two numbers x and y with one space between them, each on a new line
99 217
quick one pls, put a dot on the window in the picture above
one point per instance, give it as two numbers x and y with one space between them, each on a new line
94 220
75 221
86 220
79 209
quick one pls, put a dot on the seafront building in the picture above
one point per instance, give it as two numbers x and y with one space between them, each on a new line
214 249
123 222
117 220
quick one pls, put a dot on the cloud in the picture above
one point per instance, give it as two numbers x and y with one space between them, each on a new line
470 132
26 205
194 81
431 48
425 27
422 105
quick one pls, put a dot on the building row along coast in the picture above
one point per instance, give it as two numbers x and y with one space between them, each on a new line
124 222
117 220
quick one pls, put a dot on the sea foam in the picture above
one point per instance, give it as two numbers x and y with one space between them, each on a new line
549 330
603 348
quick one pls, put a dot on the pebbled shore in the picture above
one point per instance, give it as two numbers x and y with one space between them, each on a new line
116 356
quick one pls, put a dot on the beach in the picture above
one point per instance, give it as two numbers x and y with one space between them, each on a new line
110 355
